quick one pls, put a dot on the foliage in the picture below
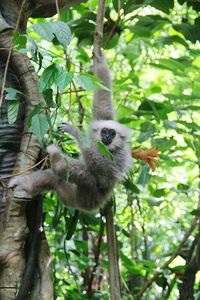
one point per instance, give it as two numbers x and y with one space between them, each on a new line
153 50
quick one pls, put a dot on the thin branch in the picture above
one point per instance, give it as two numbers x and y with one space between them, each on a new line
22 172
173 256
114 26
97 256
10 53
98 34
58 9
114 275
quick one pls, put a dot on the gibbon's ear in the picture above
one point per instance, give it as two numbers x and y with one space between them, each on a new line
125 132
94 126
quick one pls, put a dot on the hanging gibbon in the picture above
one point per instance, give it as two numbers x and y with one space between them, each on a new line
92 177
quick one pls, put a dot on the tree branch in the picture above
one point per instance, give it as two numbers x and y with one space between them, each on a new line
173 256
114 276
47 8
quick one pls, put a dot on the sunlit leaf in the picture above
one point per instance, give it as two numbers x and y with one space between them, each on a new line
50 30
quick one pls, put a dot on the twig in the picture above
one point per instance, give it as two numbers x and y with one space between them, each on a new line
173 256
22 172
58 9
114 275
98 34
175 253
10 53
114 26
97 256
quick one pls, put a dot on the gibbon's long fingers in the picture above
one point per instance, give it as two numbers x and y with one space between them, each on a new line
68 128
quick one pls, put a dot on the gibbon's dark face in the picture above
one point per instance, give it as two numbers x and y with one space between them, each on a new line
107 135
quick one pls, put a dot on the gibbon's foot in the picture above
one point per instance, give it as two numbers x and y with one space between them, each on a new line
67 127
99 56
20 189
21 183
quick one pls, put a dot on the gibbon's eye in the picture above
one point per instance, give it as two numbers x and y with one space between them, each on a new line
107 135
104 131
113 133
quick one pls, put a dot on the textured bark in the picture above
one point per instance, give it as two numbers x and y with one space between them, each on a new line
114 274
19 150
13 222
187 280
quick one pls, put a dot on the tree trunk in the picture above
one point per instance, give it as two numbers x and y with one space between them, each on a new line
25 267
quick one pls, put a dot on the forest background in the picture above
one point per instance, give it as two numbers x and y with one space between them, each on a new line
153 51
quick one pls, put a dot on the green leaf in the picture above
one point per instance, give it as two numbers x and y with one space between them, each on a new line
195 212
153 202
161 281
174 39
164 144
48 97
131 6
81 245
19 42
131 266
103 150
40 107
49 77
52 30
159 110
85 81
170 124
183 187
197 296
63 79
129 185
39 125
161 192
112 42
13 107
11 93
143 176
72 225
173 65
190 32
163 5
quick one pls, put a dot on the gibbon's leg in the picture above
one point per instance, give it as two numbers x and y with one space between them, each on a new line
84 195
67 193
36 182
102 104
57 160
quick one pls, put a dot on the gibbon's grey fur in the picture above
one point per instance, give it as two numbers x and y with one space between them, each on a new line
92 178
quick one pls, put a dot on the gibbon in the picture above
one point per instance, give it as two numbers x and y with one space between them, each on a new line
86 183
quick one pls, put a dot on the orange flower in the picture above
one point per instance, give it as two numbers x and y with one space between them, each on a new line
150 157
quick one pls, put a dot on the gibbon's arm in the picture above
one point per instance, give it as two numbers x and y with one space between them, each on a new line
102 104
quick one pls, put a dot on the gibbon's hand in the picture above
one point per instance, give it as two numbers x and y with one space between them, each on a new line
68 128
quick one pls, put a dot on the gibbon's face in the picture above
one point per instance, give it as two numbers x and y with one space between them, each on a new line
107 135
112 134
